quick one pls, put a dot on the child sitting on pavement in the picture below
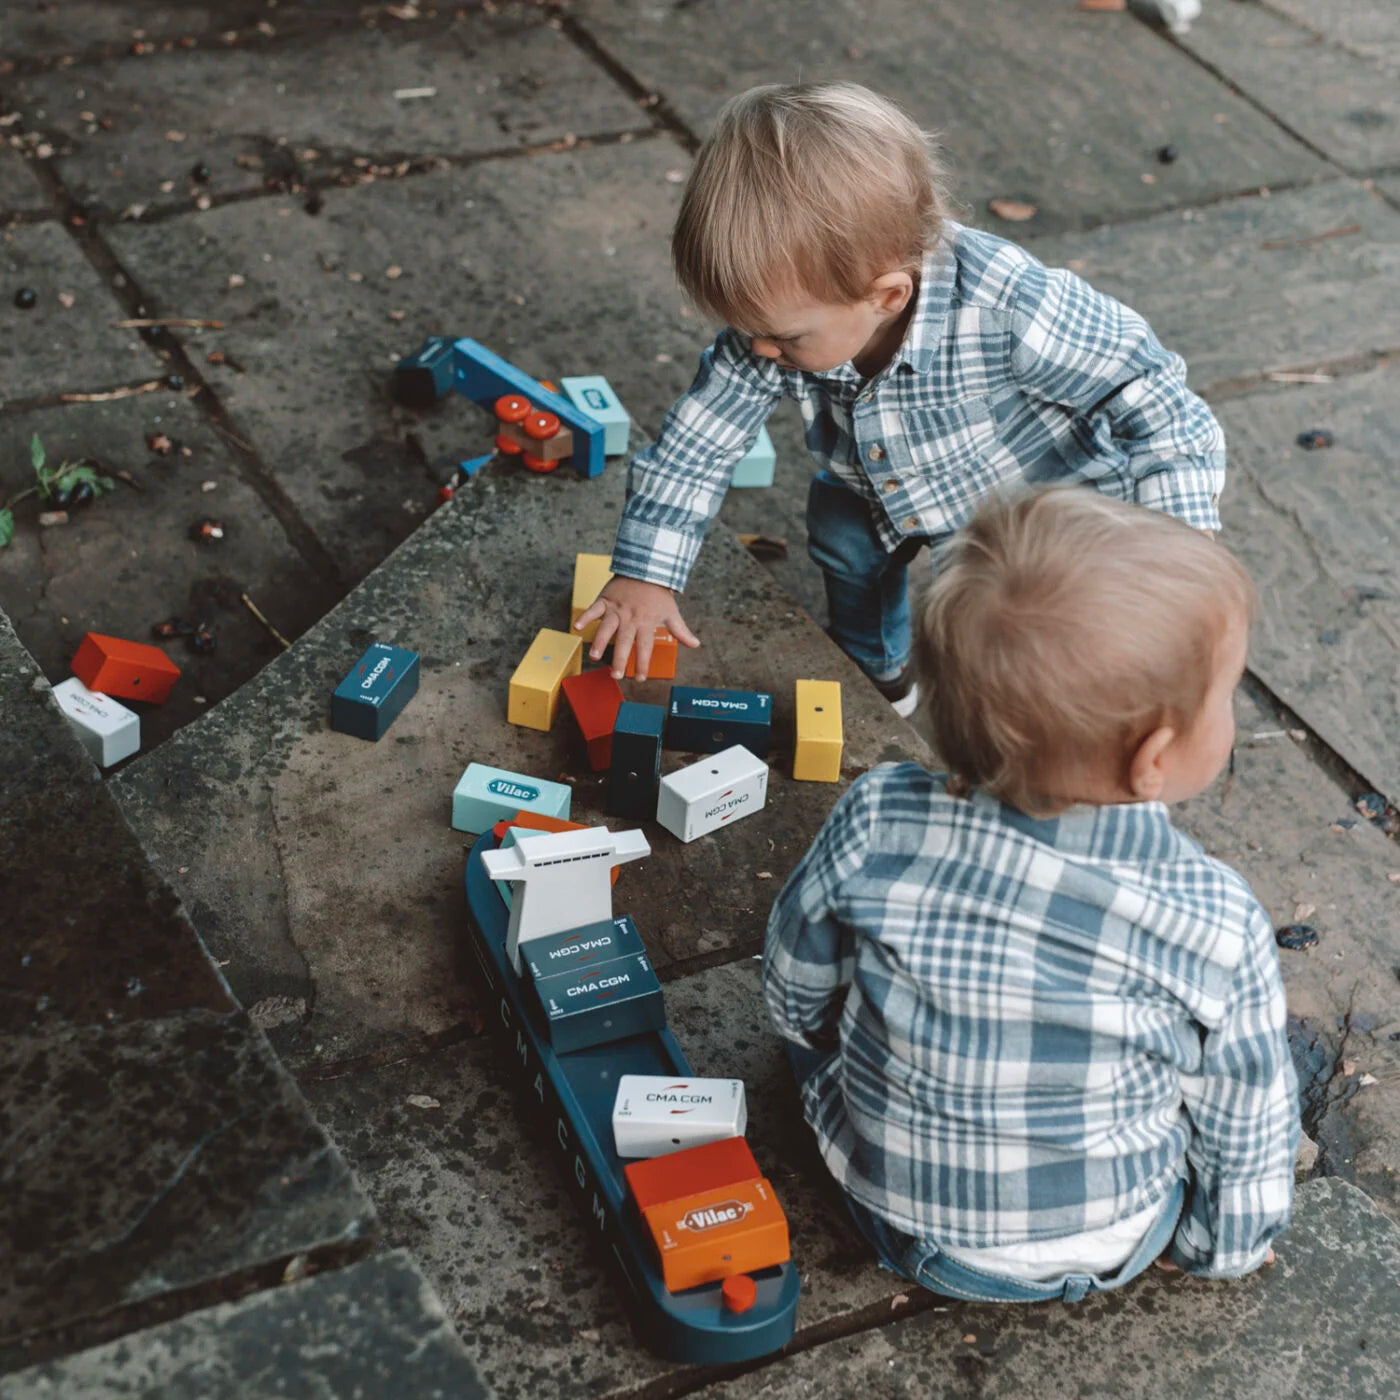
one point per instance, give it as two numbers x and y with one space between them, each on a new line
931 362
1039 1032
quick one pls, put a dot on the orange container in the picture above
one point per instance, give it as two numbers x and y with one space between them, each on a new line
664 650
731 1230
127 670
708 1167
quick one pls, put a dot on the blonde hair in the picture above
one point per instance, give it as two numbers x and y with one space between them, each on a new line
813 187
1061 629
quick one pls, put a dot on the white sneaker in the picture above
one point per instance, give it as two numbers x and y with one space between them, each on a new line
906 706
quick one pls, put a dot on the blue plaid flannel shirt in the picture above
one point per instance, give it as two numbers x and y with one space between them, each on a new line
1009 370
1037 1023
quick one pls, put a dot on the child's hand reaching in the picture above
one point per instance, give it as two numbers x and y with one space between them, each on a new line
630 612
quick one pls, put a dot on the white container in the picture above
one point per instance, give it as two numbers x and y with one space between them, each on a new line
109 731
715 792
654 1115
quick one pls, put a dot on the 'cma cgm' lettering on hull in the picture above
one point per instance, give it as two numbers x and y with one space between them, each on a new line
680 1098
725 806
380 667
502 788
720 704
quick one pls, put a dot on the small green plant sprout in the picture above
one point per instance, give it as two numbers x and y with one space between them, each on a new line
63 484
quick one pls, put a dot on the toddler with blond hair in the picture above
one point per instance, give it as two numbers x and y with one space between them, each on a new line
1039 1032
931 363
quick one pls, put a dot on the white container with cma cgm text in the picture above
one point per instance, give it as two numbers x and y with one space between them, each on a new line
715 792
654 1115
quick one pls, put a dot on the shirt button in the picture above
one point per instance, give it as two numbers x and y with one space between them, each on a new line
877 453
889 486
912 523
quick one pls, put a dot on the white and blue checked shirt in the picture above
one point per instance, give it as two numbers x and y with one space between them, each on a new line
1038 1023
1009 370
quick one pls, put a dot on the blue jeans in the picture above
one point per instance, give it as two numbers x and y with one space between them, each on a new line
867 589
922 1262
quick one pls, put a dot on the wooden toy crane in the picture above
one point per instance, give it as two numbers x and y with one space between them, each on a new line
564 879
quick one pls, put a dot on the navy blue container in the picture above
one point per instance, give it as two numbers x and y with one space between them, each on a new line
635 773
709 721
369 699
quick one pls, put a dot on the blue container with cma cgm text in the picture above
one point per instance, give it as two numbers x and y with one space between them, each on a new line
709 721
369 699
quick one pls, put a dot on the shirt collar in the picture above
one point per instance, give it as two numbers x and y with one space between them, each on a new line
1135 831
927 325
937 278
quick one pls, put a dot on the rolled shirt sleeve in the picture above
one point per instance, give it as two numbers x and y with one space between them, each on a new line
1083 350
809 954
675 487
1243 1106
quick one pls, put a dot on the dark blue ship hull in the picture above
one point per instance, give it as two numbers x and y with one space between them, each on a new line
576 1091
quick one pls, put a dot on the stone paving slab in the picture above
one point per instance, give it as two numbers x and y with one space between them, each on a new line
1237 309
374 1328
1310 858
128 560
156 1157
48 33
501 79
52 349
154 1146
19 191
263 818
1078 147
56 820
1320 1322
558 263
1326 557
478 1191
1330 72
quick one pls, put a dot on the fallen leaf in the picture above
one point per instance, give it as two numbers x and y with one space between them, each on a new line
66 299
422 1101
1012 210
158 442
393 273
1348 1068
1102 6
1301 912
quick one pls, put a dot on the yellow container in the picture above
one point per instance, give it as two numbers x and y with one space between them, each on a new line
591 572
817 757
534 688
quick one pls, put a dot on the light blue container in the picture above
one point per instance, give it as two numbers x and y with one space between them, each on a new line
487 795
756 468
594 395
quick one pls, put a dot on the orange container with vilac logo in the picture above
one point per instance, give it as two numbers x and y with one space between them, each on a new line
734 1229
127 670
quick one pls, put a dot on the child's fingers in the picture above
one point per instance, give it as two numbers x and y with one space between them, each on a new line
644 644
622 647
595 609
681 632
606 627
